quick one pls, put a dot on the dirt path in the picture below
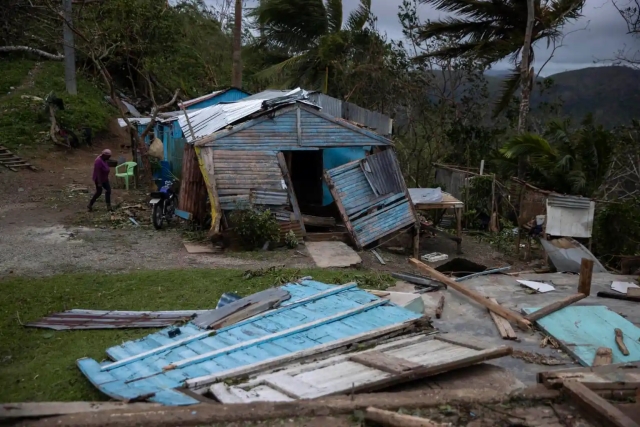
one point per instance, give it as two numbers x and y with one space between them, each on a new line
46 229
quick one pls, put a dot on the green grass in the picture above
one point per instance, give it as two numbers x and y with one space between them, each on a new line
39 364
24 122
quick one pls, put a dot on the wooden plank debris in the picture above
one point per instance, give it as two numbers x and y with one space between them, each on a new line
377 255
319 221
553 307
47 409
388 364
327 349
586 272
496 308
103 319
620 341
604 356
617 295
394 419
12 162
384 362
620 376
503 325
596 406
440 307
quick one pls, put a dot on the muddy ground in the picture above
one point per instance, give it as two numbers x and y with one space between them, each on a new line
46 228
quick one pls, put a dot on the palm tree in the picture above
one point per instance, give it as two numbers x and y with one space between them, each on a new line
492 30
310 36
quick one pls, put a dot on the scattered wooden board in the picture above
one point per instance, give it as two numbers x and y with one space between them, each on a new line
551 308
621 376
13 162
604 356
394 419
47 409
503 325
199 248
332 254
596 406
496 308
386 365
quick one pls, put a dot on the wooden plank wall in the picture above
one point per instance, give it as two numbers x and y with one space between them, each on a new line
193 190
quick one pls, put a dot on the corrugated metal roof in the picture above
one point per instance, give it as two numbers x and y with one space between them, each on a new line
211 119
315 315
267 94
101 319
571 202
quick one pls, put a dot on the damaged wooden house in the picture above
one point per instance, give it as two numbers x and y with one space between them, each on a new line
308 167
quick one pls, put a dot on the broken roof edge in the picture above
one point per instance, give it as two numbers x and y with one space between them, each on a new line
208 96
207 121
283 108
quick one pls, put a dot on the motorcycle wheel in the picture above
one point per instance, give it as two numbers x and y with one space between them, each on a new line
170 211
157 216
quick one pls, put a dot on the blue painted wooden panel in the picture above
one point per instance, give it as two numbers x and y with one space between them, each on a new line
148 376
582 329
334 157
230 95
355 192
281 133
383 222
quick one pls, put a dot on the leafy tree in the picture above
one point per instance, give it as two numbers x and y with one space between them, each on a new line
564 160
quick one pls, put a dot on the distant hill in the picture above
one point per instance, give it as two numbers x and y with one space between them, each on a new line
611 94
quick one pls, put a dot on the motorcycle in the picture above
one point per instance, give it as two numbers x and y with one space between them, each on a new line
164 203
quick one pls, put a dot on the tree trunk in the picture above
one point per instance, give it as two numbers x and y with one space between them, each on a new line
69 50
236 76
525 82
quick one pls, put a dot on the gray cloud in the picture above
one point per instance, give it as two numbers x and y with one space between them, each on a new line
604 35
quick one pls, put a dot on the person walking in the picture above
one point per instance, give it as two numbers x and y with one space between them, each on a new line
101 179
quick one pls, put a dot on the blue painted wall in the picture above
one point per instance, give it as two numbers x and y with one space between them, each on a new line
334 157
230 95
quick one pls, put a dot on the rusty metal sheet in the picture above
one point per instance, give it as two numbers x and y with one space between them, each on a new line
102 319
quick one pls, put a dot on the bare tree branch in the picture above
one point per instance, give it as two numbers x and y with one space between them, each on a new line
52 56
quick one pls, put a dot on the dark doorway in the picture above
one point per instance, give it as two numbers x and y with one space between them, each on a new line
305 168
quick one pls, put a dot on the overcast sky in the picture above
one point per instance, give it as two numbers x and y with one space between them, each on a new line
604 36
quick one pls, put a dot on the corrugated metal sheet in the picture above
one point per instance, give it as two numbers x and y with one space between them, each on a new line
377 122
227 95
453 182
383 173
380 123
571 202
315 315
208 120
329 104
267 94
566 255
570 221
102 319
371 197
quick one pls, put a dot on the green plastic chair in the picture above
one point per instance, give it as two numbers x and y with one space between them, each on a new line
130 168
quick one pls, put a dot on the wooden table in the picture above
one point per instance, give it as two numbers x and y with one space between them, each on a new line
447 202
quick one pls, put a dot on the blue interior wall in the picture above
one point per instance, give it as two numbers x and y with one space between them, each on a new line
334 157
231 95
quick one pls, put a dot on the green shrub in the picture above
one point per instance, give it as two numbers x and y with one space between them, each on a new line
255 227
